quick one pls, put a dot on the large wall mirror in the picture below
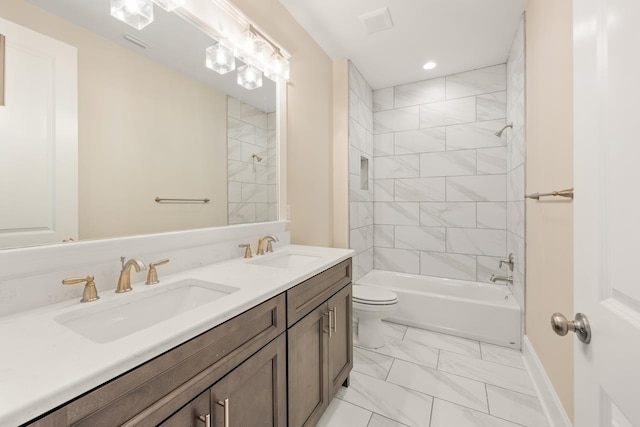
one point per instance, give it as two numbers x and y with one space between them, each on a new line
163 142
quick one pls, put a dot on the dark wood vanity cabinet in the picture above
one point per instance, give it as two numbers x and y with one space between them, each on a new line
275 365
253 394
319 343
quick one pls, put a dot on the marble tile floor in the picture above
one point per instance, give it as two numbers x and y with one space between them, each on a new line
422 378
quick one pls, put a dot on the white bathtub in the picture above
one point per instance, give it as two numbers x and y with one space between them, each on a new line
480 311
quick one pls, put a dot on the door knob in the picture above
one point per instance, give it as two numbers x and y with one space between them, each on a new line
580 325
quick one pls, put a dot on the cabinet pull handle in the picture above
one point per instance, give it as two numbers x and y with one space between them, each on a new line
335 319
330 322
206 419
225 405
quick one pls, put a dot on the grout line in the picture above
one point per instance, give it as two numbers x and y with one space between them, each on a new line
486 393
433 403
370 418
438 360
390 368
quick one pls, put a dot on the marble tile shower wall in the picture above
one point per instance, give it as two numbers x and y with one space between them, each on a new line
440 175
360 163
252 193
516 150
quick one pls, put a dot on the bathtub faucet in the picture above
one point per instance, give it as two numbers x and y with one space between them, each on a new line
495 279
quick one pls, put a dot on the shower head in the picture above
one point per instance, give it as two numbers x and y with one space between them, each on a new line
258 158
501 131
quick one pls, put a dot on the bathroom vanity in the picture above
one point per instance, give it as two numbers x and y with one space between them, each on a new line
294 308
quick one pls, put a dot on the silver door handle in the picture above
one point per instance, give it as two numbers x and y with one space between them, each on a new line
328 313
335 319
206 419
580 325
225 405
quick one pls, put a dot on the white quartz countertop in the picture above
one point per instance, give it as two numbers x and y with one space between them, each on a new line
44 364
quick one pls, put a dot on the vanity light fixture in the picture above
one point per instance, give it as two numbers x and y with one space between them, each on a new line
251 42
220 59
249 77
137 13
279 67
430 65
170 5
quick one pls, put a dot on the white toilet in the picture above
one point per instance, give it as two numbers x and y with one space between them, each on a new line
370 306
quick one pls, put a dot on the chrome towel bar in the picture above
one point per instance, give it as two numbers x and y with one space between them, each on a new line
160 200
568 193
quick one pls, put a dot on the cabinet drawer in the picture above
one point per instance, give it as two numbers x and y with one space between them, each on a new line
306 296
151 392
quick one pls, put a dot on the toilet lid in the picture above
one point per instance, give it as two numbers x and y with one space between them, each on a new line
372 295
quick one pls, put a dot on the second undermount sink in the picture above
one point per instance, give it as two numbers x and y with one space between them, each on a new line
118 319
284 260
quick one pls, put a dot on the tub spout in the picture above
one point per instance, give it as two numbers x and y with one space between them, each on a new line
495 279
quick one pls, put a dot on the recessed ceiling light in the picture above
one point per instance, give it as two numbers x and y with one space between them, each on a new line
430 65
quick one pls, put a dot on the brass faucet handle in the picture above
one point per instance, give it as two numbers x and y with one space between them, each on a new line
152 274
247 250
90 292
269 246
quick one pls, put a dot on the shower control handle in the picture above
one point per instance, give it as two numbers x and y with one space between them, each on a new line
580 325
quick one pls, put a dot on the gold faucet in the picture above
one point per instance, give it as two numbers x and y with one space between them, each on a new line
124 281
266 240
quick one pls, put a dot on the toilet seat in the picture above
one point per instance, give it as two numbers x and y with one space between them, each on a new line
371 295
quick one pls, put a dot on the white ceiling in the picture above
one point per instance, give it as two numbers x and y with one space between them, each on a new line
459 35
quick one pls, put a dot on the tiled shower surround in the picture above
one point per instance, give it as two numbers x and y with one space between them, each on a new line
516 151
360 172
251 184
440 175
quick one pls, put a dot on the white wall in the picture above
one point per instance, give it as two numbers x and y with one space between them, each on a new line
360 185
440 175
252 184
516 154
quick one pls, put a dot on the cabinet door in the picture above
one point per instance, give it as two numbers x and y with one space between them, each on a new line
308 363
189 415
255 393
341 340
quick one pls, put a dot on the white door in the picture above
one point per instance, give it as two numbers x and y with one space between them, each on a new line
607 210
38 140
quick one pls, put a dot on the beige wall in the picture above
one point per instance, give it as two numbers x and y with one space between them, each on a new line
341 153
309 121
139 124
549 229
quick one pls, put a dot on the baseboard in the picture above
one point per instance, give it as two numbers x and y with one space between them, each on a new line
553 409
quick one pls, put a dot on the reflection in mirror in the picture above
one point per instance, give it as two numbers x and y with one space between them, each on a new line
101 119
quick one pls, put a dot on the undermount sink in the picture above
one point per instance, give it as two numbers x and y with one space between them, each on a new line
138 312
284 260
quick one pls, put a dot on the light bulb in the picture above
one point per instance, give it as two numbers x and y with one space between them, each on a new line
249 77
137 13
220 59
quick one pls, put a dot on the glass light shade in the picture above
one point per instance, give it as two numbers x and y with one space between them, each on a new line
170 5
251 43
278 69
249 77
220 59
137 13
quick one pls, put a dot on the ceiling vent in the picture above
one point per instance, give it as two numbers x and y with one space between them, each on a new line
136 41
377 20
